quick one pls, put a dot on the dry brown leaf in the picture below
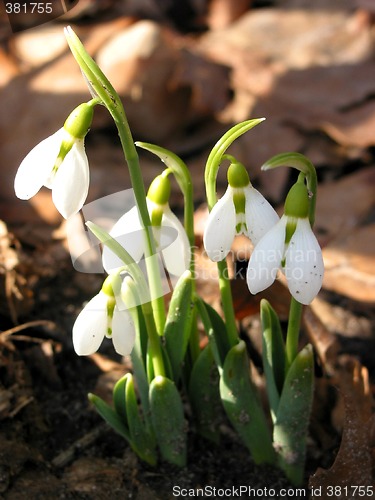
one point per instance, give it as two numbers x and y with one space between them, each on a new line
343 204
325 343
353 464
350 265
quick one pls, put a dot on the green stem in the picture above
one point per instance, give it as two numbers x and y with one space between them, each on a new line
102 88
303 164
292 335
227 303
153 341
153 337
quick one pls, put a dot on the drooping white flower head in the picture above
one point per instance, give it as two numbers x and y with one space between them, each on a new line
242 210
59 163
169 233
292 247
105 315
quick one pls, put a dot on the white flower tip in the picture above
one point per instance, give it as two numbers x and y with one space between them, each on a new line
83 346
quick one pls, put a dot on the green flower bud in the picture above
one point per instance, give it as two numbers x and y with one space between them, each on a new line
237 175
159 190
79 121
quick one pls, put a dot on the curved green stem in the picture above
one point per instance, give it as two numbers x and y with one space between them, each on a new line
303 164
102 89
292 334
216 156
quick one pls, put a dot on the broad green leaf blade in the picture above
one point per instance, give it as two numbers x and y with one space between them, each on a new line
179 322
119 400
204 395
142 438
217 335
110 416
273 354
293 415
168 420
138 357
243 407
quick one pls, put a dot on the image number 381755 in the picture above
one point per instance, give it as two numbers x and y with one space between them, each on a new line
23 15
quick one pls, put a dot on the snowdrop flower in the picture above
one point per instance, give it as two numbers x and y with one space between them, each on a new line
59 163
242 210
105 315
292 247
169 233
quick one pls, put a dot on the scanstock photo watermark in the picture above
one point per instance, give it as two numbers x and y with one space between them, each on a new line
23 15
244 491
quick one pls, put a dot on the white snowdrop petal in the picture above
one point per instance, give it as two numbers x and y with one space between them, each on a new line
260 215
304 267
266 258
220 229
123 332
37 166
128 232
90 326
71 183
177 253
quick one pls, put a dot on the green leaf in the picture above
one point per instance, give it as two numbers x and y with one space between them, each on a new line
142 438
217 335
273 354
243 407
293 416
138 357
168 420
110 416
118 395
204 395
179 322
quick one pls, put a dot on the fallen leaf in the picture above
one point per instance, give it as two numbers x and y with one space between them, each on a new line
353 463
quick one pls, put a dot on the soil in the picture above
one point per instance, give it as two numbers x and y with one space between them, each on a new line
54 445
